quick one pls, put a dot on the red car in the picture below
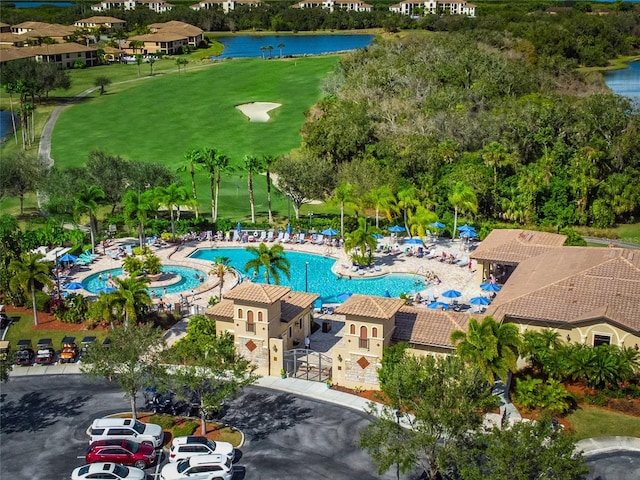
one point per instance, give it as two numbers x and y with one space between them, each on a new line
124 452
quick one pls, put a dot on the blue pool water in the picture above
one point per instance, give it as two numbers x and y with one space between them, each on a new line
319 276
188 279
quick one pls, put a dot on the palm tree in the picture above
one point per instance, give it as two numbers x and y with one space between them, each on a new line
220 268
194 159
361 238
420 220
464 199
382 199
132 296
270 48
272 259
262 50
493 347
108 307
251 165
171 197
343 194
137 207
214 162
26 272
267 164
407 200
280 47
86 200
496 155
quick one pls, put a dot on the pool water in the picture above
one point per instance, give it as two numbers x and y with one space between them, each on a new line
187 281
319 277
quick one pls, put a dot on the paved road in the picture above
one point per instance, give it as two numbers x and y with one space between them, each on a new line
43 421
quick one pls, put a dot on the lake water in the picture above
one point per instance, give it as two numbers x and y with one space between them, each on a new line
244 46
625 82
6 127
39 4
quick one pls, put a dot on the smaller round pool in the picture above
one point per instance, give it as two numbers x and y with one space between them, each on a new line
186 278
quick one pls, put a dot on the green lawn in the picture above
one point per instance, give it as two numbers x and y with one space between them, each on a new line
591 422
161 118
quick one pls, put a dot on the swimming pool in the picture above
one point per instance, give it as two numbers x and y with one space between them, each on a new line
187 280
319 276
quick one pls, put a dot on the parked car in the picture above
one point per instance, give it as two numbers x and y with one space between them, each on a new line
69 351
217 466
84 345
25 354
107 471
125 429
124 452
46 352
185 447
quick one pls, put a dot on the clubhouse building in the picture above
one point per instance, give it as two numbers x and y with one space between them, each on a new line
588 295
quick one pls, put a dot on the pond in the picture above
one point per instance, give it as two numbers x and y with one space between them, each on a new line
274 46
625 82
39 4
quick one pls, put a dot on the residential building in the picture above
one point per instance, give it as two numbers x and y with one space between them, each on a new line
167 43
63 54
156 6
226 5
432 7
334 5
36 31
5 27
108 24
193 35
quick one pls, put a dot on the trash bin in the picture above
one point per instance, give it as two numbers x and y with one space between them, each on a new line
326 326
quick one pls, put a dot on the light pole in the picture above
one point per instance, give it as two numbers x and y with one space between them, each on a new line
306 276
310 218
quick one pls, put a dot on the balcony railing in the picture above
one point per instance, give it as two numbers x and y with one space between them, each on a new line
251 327
363 343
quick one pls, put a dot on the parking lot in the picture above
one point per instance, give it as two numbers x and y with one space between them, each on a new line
43 420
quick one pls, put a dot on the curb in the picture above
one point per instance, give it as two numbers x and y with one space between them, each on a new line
594 446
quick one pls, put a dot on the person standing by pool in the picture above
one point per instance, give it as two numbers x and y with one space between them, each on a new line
307 342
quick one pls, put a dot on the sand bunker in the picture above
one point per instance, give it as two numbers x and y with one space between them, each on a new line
257 111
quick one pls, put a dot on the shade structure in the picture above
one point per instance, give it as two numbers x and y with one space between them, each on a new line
437 305
437 225
490 287
73 286
329 231
377 236
344 296
465 227
451 294
469 233
413 241
397 229
479 301
107 290
67 257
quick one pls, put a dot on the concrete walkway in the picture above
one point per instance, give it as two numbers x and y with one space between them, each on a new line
594 446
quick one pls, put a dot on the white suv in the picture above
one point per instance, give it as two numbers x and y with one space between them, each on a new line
185 447
212 467
126 428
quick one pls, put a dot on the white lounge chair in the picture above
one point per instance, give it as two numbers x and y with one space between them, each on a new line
319 240
286 238
463 262
300 238
236 236
270 236
263 236
280 237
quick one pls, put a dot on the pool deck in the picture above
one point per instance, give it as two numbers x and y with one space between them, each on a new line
451 276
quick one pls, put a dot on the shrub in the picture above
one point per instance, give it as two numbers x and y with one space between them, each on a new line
533 393
42 301
183 430
165 421
152 264
132 264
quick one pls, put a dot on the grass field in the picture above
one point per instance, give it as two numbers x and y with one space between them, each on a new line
160 119
588 422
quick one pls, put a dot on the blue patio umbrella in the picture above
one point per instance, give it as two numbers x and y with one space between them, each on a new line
73 286
465 227
288 228
377 236
490 287
107 290
469 233
479 301
239 227
67 257
329 231
413 241
437 305
437 225
451 294
344 296
397 229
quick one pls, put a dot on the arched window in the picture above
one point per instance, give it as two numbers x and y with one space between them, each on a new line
364 341
259 316
250 316
352 329
239 313
374 332
251 327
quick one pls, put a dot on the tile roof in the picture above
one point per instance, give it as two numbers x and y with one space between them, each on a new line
574 285
223 309
175 26
257 293
422 326
163 36
100 19
368 306
511 247
295 303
